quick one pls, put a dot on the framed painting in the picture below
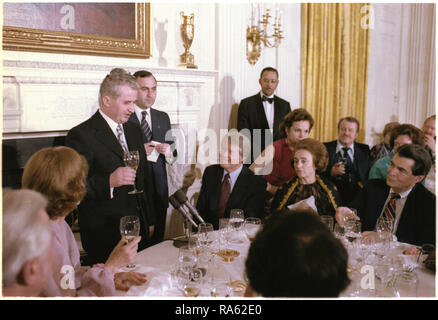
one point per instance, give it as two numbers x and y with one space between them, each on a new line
107 29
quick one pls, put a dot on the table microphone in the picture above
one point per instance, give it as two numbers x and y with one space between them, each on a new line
175 203
181 197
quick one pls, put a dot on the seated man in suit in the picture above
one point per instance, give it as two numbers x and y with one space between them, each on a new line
230 184
400 199
263 111
349 161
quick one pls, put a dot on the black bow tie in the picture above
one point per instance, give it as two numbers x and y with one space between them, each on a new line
265 98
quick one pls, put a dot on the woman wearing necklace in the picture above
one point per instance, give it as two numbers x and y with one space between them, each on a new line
310 157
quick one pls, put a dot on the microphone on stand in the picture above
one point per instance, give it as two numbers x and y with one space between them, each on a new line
176 204
181 198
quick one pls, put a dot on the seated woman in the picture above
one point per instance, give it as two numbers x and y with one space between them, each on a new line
59 173
400 135
310 156
383 149
275 161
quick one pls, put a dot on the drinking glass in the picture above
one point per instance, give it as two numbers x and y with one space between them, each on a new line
224 233
338 231
251 227
381 244
384 226
205 235
132 160
328 221
237 218
129 229
187 259
405 284
425 250
352 229
384 270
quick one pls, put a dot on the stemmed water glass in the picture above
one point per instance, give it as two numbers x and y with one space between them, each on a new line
251 227
132 160
129 229
237 219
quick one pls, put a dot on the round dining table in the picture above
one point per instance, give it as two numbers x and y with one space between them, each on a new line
157 262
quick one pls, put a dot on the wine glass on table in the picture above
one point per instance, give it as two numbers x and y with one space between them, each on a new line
251 227
352 229
129 229
237 218
132 160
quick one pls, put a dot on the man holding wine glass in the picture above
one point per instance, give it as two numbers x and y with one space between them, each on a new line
103 140
400 204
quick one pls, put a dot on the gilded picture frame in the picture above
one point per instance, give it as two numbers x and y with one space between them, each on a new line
41 40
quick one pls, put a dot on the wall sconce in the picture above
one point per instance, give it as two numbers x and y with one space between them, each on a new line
256 34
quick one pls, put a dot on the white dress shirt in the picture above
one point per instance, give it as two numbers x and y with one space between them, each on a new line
269 110
350 151
113 125
138 113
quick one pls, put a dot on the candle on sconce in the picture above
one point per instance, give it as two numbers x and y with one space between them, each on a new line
252 14
280 21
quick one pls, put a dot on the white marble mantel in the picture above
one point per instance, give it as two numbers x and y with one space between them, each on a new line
44 98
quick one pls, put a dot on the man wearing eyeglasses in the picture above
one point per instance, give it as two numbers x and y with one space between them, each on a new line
263 111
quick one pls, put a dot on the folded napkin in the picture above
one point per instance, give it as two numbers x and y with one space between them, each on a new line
310 202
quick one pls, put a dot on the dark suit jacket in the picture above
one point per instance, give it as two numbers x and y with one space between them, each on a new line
160 126
99 215
251 115
417 221
248 194
361 159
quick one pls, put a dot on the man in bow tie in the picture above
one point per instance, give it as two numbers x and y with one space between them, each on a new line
263 111
349 161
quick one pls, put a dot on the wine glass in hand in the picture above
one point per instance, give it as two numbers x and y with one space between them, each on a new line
132 160
129 229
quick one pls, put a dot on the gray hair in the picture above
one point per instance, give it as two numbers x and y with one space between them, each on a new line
25 235
235 138
110 85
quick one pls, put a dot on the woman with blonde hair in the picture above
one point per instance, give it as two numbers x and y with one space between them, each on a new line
59 173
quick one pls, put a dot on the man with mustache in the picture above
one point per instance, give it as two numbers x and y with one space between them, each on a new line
102 140
349 161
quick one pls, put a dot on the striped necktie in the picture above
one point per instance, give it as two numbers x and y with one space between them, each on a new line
145 127
389 211
119 131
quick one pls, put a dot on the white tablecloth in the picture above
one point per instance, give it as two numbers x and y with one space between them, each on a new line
156 262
